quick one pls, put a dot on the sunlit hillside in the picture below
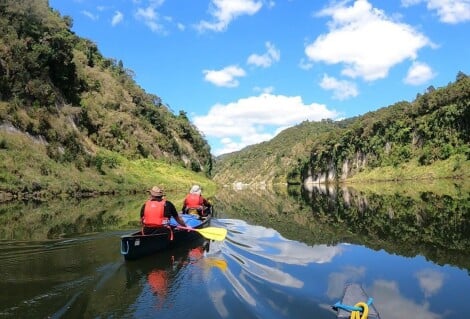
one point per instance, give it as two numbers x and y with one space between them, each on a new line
74 120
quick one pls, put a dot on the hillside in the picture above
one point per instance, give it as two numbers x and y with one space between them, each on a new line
66 109
269 162
426 138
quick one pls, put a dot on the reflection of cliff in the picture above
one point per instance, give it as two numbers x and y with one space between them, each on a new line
284 211
436 226
404 222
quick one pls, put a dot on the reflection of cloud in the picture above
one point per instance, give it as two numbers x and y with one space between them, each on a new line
272 275
217 297
239 288
392 305
337 280
430 281
271 245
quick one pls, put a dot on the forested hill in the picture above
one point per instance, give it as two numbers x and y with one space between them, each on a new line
426 138
270 162
75 106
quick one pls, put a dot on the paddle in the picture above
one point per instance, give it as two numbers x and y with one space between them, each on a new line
214 233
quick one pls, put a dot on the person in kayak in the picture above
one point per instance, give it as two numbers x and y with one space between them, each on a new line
157 211
195 202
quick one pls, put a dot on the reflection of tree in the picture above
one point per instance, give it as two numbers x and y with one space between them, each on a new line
435 226
284 211
54 219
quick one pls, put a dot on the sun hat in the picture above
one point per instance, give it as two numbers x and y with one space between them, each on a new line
156 191
196 189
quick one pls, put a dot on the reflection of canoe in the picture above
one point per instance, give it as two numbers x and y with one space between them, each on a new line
136 245
160 272
353 296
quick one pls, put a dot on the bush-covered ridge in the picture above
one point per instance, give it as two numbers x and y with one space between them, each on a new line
429 137
432 128
58 90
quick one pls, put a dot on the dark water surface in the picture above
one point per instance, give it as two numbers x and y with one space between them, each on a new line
288 254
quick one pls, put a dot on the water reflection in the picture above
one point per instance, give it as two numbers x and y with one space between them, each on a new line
288 254
68 218
403 219
365 235
408 223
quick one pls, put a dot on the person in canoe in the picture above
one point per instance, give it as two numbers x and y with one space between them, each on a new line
157 211
195 203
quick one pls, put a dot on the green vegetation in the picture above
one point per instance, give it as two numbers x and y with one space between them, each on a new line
427 138
73 121
271 162
26 168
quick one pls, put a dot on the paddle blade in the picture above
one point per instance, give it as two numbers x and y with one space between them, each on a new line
214 233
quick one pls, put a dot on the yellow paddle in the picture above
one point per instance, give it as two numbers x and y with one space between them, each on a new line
214 233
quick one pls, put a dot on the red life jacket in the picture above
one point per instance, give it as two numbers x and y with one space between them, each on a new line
193 201
154 214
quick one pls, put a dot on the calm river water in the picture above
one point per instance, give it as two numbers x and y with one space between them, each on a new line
288 254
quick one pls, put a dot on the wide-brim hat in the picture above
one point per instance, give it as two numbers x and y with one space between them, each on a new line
156 191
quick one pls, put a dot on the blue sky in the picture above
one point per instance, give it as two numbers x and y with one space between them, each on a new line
244 70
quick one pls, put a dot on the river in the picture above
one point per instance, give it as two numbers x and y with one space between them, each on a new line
288 254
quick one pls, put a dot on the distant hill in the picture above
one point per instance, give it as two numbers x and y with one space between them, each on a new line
270 162
68 104
426 138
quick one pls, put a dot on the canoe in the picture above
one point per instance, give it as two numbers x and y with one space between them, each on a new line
354 294
136 245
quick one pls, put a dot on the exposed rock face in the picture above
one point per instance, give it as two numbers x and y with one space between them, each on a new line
349 167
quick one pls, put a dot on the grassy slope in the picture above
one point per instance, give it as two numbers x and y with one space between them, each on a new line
25 167
454 167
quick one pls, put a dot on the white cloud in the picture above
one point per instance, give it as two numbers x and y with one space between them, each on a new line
180 26
267 59
305 65
268 89
150 17
224 11
342 90
255 119
90 15
449 11
418 74
365 41
226 77
117 18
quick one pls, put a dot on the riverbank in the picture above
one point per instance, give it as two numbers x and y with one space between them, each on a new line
123 177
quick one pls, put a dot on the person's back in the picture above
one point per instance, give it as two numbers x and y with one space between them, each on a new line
195 203
157 211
